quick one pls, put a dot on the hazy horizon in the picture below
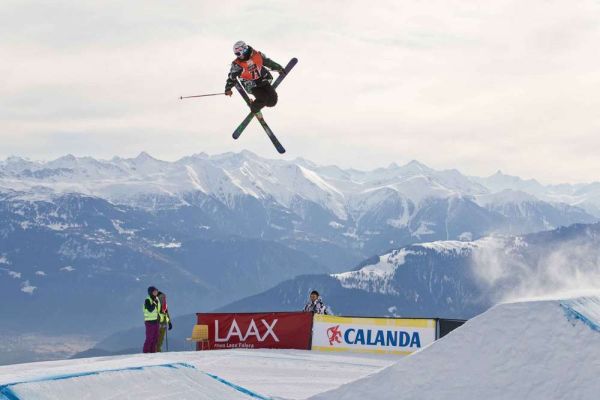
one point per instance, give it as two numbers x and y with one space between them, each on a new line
389 165
504 85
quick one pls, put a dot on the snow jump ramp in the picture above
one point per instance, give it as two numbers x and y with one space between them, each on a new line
527 350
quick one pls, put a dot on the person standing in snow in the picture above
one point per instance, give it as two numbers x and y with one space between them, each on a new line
315 304
151 309
249 66
164 321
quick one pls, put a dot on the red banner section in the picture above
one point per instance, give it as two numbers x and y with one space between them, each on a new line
278 330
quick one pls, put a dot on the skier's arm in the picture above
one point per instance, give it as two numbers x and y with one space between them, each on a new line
234 73
321 307
267 62
150 306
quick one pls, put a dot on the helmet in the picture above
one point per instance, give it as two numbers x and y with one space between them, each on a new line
240 49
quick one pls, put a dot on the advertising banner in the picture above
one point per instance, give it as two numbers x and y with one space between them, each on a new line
278 330
372 335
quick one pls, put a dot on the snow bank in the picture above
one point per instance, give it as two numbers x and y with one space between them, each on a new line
527 350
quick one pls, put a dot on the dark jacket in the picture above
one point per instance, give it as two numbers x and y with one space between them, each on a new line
265 76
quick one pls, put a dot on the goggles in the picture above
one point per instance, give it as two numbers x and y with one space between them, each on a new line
240 51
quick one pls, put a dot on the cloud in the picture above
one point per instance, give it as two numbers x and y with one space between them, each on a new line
508 85
27 288
14 274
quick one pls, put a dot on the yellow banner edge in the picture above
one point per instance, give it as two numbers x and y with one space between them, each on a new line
408 322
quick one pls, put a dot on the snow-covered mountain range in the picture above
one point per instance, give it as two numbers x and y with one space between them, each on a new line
215 229
301 203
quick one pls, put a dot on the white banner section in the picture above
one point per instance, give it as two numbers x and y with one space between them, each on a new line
371 335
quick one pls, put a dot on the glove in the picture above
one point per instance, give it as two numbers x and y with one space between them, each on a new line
170 326
281 71
228 92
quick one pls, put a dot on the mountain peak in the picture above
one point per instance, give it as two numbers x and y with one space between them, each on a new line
144 156
69 158
15 160
416 166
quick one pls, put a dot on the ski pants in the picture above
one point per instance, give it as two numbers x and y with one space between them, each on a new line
162 330
265 96
151 336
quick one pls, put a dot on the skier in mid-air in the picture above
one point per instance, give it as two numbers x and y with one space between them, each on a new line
249 67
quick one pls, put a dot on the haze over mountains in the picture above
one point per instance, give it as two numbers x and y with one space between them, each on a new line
81 238
452 279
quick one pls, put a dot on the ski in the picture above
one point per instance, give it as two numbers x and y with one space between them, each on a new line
270 133
281 77
260 119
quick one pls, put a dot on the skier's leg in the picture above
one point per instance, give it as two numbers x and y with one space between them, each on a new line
271 98
161 336
148 341
260 98
154 337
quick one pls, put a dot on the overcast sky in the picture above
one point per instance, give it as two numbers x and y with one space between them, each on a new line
473 85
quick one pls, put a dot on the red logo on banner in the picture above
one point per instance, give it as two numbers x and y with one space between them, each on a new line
334 334
279 330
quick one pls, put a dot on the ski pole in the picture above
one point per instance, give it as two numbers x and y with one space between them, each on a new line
201 95
167 338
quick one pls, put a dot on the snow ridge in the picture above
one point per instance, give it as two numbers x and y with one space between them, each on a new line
585 309
126 181
376 277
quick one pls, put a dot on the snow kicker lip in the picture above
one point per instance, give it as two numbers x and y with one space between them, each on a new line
6 392
584 309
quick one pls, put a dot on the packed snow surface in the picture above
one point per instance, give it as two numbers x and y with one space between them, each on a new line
528 350
214 375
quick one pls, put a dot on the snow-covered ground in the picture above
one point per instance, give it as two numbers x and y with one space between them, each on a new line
289 374
527 350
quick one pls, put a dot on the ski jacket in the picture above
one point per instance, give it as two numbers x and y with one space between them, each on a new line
316 307
151 308
251 71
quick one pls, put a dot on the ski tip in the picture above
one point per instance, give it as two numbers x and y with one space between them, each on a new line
281 150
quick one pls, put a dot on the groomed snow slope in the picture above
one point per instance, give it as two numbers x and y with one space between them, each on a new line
528 350
214 375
